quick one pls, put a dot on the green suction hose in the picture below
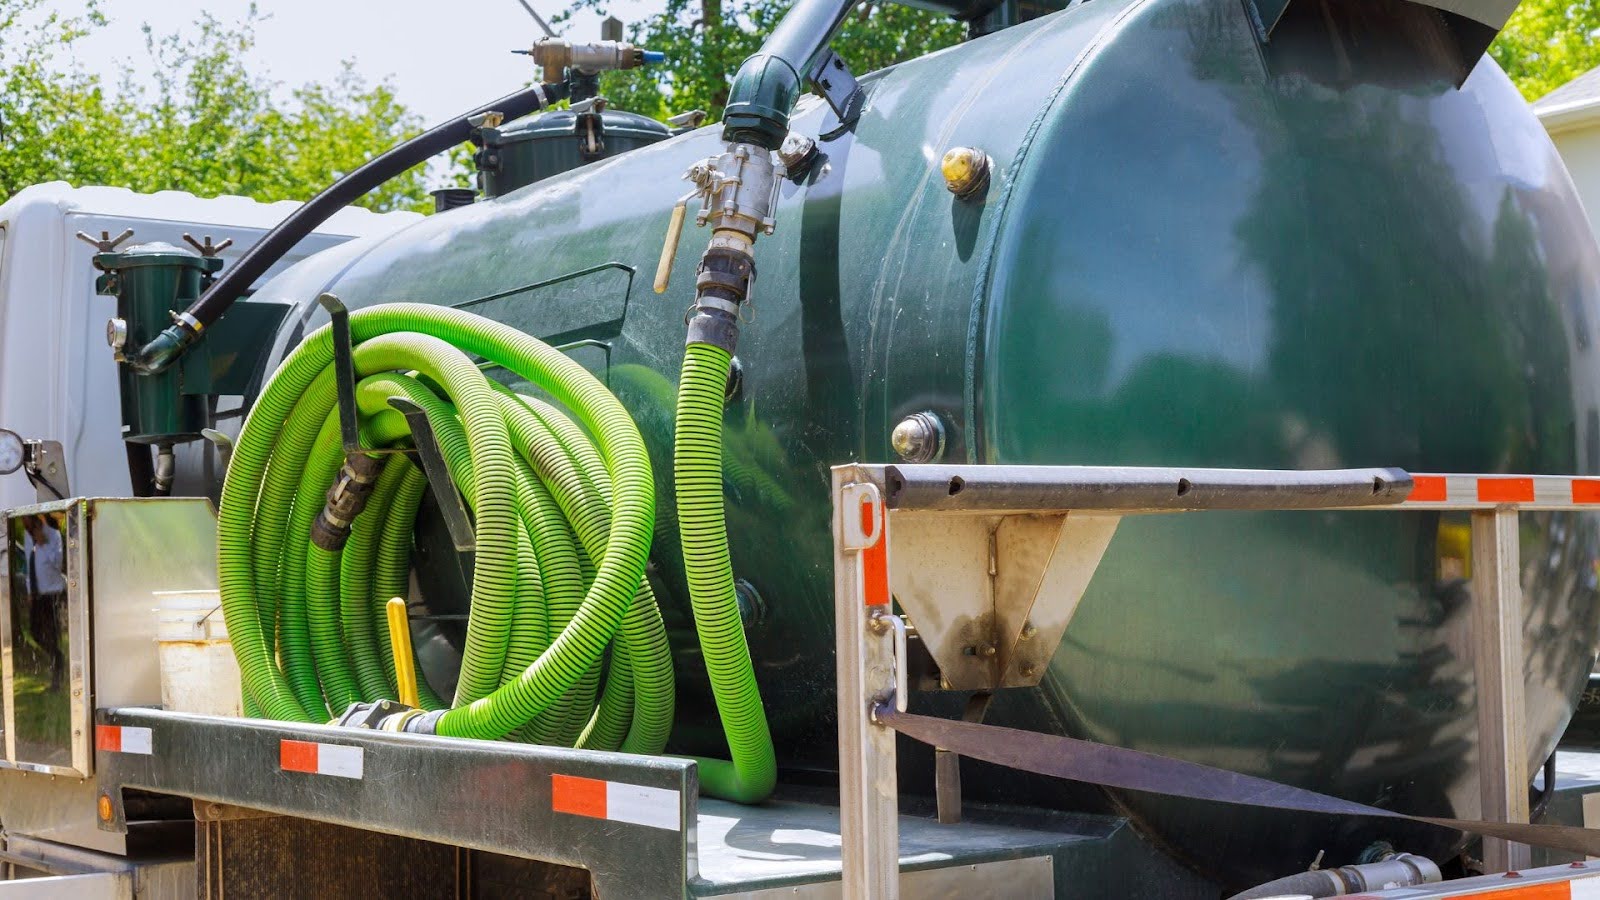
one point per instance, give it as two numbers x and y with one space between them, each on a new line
563 526
697 475
564 508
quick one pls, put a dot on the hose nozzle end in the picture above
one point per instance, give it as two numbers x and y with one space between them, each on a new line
165 348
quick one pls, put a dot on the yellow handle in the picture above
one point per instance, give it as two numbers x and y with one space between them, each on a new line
670 248
405 670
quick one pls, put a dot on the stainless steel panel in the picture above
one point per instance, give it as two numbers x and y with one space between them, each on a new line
44 665
121 554
164 880
55 809
98 886
142 548
485 795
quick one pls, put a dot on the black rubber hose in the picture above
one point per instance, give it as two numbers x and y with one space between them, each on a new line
1312 884
237 278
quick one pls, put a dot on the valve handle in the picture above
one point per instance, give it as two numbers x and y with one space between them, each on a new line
405 673
669 250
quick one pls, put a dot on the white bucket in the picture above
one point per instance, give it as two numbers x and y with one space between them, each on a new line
198 671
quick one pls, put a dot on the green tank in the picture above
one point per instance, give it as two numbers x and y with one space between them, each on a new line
1197 247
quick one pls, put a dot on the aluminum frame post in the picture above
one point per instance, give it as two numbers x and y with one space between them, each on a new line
868 790
1498 666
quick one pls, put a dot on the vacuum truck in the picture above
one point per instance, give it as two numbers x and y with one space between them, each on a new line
1025 471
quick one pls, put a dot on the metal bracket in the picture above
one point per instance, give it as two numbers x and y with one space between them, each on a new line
46 465
839 87
991 596
433 465
344 374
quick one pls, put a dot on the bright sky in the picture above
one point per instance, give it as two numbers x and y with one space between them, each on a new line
443 56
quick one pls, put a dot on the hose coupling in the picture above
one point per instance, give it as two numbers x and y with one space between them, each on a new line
346 499
390 715
165 348
722 285
373 715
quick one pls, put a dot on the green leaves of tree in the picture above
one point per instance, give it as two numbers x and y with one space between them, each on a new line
207 124
706 40
1548 43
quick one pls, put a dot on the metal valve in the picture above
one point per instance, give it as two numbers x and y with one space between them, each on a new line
554 55
738 192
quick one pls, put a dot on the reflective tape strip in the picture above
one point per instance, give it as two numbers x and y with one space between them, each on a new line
1585 887
1582 887
616 801
1487 491
875 562
121 739
320 759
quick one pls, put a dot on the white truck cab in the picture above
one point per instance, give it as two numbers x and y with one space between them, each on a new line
58 380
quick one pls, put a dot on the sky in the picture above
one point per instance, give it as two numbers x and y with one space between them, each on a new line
443 56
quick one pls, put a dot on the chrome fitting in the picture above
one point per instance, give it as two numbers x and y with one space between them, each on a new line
553 55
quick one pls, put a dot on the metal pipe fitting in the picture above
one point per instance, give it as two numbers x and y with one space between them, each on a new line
553 55
1394 871
768 83
166 470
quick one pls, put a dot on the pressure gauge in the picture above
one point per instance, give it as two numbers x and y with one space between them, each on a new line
11 451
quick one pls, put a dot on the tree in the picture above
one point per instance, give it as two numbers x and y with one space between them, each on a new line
207 125
705 42
1548 43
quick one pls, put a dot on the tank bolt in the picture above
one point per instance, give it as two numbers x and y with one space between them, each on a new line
987 650
919 438
1028 631
1028 669
797 154
966 170
752 606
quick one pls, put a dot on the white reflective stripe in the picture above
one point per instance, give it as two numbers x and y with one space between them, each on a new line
1461 489
640 805
1552 490
335 759
137 740
1586 888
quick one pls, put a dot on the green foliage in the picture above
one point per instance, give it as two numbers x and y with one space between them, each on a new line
207 124
706 40
1548 43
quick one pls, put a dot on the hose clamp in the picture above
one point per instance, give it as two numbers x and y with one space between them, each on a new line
184 320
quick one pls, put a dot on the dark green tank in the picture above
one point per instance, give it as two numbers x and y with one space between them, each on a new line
1196 248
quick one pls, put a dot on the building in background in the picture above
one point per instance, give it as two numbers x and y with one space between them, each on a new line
1571 114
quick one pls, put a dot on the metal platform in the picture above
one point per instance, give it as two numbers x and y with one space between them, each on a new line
581 809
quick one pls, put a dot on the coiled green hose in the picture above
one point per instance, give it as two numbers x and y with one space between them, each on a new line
563 527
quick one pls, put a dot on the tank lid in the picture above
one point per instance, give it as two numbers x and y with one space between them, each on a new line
563 123
155 253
